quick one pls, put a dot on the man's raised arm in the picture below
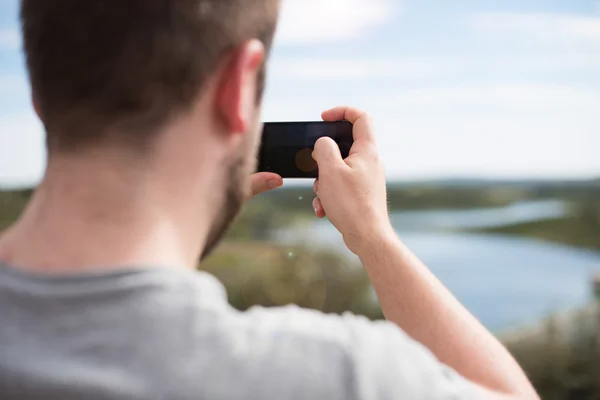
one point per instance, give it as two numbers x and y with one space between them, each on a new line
352 193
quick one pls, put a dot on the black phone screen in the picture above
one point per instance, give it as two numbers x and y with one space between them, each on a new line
287 147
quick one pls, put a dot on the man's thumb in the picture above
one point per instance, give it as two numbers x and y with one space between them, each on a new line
326 152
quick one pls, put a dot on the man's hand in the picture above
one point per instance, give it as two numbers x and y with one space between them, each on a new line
263 182
352 192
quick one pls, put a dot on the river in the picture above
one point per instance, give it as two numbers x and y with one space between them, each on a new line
504 281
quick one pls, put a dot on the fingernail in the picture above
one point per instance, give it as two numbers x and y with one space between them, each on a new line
273 184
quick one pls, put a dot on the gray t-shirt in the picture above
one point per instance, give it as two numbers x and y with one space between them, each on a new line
165 333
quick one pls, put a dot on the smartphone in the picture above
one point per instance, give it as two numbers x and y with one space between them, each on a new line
287 147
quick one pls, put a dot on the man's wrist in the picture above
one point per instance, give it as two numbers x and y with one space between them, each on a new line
375 242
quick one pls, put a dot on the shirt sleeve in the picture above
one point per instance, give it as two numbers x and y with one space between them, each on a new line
348 354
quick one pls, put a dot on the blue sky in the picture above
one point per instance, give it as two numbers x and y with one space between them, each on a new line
479 88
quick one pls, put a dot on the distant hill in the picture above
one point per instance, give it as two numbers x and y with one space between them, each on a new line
465 182
483 182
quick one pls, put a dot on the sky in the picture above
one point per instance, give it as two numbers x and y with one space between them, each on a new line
465 88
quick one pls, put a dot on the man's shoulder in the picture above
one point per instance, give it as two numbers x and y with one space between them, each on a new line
271 348
295 323
296 350
330 355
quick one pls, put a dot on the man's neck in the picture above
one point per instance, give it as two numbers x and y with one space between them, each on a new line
80 219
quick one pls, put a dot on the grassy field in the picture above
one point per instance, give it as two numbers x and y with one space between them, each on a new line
261 273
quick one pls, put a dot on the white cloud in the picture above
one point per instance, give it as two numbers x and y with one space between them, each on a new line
22 149
532 131
442 69
315 69
10 39
539 42
497 98
541 98
559 62
569 32
11 84
513 63
494 130
494 146
306 22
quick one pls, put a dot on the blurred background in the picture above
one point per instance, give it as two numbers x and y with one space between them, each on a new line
488 122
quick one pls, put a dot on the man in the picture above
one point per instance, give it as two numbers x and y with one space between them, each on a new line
151 110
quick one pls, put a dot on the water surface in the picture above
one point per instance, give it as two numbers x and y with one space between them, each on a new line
504 281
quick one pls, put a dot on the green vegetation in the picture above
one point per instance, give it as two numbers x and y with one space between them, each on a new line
268 275
259 220
581 228
411 197
11 205
560 365
459 194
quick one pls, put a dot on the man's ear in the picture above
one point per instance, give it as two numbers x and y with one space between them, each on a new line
237 86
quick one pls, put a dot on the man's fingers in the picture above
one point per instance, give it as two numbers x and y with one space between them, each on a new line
327 153
349 114
316 187
318 207
263 182
363 128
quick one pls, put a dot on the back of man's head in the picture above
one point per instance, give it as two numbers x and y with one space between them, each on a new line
99 69
152 114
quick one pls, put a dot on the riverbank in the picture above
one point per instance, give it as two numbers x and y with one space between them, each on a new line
580 228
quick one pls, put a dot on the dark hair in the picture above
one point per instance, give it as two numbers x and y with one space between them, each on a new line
129 66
